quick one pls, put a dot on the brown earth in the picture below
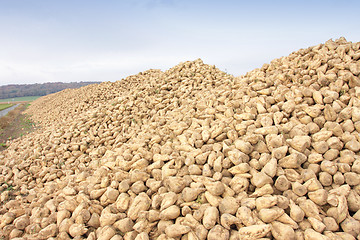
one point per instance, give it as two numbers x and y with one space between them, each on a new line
14 125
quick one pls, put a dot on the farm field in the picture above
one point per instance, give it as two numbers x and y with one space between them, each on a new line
19 99
5 106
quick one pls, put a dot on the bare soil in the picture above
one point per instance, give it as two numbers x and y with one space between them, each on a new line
16 125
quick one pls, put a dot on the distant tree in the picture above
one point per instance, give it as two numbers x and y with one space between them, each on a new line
37 89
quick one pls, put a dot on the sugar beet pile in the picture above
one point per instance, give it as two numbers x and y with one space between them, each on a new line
194 153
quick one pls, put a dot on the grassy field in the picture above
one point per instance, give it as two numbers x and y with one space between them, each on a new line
5 106
20 99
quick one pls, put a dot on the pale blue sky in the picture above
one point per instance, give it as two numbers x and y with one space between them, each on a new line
85 40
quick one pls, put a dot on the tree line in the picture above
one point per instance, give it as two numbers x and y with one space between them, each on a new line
37 89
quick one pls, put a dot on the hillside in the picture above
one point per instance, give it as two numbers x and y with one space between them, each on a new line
194 153
38 89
